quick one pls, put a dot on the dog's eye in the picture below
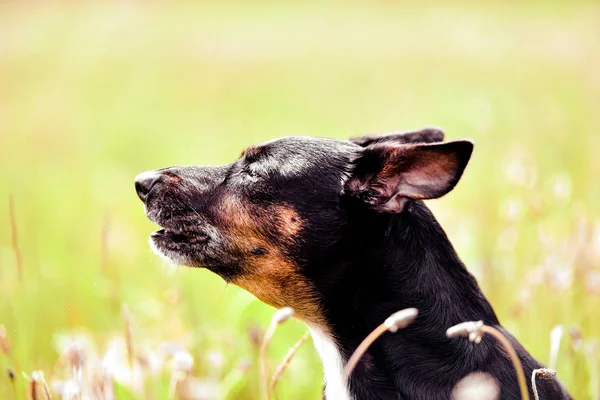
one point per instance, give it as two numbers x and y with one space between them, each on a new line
249 172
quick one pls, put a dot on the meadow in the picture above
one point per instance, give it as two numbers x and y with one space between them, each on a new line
93 93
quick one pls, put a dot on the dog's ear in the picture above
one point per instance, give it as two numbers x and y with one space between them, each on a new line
424 135
385 175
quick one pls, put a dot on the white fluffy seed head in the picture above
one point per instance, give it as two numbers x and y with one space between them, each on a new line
37 376
283 314
183 362
476 386
74 354
67 389
470 329
401 319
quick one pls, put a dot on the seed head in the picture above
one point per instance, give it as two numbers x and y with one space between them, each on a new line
476 386
195 388
545 373
215 359
401 319
68 390
128 335
183 362
283 314
470 329
255 335
74 354
576 337
244 365
37 379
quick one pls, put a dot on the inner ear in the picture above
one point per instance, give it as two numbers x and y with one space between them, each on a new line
423 135
386 175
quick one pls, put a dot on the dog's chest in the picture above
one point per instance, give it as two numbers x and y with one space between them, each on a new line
333 366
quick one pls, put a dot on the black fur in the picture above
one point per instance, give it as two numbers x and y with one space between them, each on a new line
365 264
394 262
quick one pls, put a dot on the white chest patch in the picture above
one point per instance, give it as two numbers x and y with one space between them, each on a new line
335 384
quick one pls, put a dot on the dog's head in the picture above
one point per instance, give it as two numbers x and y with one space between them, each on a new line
261 221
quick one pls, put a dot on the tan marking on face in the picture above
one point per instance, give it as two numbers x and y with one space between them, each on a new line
275 281
289 222
272 277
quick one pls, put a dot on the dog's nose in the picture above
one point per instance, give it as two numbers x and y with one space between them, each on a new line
144 183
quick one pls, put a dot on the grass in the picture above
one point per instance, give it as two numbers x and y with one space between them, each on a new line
92 94
475 330
399 320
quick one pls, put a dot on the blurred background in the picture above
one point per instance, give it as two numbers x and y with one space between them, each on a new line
93 93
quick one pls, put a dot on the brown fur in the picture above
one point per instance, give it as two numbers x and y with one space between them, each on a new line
271 276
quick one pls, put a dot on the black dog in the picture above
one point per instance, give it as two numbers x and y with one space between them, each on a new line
337 231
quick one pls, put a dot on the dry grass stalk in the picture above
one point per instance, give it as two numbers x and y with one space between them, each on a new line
4 343
42 380
590 350
32 391
74 356
192 388
14 236
255 335
101 386
71 390
475 331
232 382
174 381
576 337
104 256
11 376
396 321
128 336
286 362
182 365
280 316
544 374
556 335
37 380
5 348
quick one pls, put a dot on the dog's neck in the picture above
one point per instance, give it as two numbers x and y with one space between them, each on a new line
392 263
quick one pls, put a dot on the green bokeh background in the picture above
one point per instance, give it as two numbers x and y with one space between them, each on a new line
91 94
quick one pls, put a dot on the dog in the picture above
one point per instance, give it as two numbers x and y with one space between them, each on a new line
337 230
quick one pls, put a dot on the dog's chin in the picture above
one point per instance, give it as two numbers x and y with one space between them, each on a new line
174 252
171 258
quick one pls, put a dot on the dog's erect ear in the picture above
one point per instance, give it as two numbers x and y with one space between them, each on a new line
424 135
386 175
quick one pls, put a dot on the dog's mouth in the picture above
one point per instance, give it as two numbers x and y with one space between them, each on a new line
180 236
179 246
176 233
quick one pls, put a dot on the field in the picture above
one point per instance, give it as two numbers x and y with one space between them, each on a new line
92 94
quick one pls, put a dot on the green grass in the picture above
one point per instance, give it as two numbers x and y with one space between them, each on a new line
90 95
